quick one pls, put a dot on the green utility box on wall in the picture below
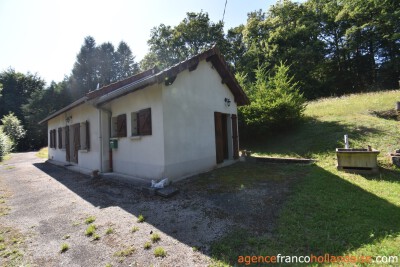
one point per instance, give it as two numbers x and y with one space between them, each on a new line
113 143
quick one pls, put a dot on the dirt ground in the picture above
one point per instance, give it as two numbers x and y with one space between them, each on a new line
48 206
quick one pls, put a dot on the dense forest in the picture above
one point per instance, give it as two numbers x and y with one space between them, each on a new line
313 49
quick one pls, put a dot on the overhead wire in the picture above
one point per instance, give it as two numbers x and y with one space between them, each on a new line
223 16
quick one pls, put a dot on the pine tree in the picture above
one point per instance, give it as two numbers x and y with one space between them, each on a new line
84 72
126 65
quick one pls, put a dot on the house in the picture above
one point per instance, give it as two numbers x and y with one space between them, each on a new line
171 123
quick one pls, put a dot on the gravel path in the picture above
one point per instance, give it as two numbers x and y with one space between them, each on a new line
49 206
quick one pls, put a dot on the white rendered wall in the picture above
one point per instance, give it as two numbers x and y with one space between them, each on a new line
189 132
84 112
141 157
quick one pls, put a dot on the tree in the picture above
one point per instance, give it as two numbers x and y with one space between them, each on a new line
289 33
106 64
17 88
236 53
100 65
39 106
276 101
84 72
125 65
194 34
12 128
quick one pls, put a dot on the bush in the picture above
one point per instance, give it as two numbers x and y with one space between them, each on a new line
276 102
12 127
5 144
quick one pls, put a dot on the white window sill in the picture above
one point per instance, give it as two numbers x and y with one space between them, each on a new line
136 137
83 150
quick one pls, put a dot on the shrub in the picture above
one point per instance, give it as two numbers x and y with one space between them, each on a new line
276 102
12 127
5 144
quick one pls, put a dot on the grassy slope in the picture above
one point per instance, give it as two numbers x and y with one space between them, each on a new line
43 153
330 211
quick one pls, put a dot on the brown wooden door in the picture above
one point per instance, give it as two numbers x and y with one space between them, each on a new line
235 138
75 142
67 150
219 139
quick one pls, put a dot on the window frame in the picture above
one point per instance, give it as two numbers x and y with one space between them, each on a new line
139 129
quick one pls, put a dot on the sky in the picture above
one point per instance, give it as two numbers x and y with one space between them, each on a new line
44 36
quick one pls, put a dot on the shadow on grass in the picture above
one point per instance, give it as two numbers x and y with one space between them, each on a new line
325 214
385 174
312 137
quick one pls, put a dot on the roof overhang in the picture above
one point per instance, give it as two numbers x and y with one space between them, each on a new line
64 109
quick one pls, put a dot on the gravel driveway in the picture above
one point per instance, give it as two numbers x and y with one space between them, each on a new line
49 206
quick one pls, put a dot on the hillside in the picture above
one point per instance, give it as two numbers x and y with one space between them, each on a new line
331 211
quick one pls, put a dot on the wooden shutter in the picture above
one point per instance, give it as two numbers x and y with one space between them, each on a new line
144 122
235 138
77 136
51 138
55 138
219 141
76 142
67 148
87 136
121 125
60 141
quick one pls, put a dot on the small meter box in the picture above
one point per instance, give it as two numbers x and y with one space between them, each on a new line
113 143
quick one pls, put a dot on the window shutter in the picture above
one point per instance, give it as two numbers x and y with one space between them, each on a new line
51 138
67 147
235 138
60 138
55 138
121 125
144 122
87 136
77 136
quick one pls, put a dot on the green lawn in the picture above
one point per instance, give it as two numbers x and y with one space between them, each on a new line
43 153
331 211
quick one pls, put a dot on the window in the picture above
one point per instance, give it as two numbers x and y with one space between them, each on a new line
84 136
53 141
141 122
134 124
119 126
